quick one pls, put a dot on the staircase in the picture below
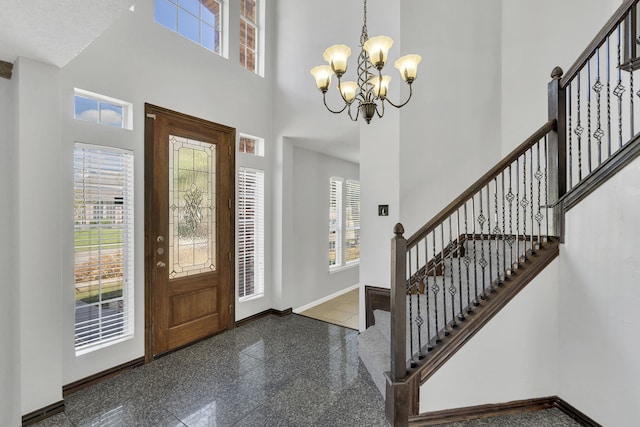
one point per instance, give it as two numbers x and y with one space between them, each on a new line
462 267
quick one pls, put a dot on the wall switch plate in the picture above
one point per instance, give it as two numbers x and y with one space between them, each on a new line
383 210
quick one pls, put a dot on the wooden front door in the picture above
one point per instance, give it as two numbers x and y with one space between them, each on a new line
189 229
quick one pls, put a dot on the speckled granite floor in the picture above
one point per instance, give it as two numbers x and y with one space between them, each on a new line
290 371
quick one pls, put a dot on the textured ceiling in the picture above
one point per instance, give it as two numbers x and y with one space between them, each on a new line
54 31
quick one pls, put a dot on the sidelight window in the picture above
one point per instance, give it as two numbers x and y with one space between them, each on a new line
103 243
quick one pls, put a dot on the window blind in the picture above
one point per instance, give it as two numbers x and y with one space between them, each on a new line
352 226
103 242
250 233
335 222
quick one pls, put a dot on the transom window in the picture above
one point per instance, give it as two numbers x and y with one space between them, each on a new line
251 145
96 108
198 20
249 34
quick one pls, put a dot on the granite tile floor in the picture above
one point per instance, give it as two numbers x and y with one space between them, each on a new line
275 371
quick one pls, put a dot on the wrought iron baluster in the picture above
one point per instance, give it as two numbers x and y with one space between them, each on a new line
489 252
589 114
483 262
467 258
631 70
524 202
444 279
546 188
452 287
538 176
510 197
570 133
504 230
435 288
579 129
619 91
517 213
461 316
426 291
608 97
531 194
597 87
419 320
475 253
497 232
410 295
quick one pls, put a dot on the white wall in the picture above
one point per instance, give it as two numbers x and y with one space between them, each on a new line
38 228
311 277
513 357
599 295
536 37
139 61
9 324
450 130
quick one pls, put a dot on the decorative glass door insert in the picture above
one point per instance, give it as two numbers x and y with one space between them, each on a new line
192 210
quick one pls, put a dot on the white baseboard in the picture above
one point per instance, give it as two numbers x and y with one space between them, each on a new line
325 299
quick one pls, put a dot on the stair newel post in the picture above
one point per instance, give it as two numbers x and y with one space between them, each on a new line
557 154
397 395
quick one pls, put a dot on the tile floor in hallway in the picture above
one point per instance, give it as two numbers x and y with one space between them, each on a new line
275 371
289 371
342 310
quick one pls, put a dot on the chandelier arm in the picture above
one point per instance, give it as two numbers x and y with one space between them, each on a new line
380 114
350 116
324 98
405 102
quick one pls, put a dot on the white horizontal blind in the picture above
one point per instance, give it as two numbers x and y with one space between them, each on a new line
352 226
335 222
250 233
103 236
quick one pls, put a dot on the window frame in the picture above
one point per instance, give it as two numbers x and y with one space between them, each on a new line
336 209
258 250
257 25
340 189
110 158
221 27
127 108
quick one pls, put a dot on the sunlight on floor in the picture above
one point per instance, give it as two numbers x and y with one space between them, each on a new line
341 310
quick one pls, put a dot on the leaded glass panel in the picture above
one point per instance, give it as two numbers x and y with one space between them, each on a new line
192 211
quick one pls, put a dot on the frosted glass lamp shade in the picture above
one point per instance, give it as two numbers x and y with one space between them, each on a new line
349 91
337 56
322 74
378 50
408 67
380 85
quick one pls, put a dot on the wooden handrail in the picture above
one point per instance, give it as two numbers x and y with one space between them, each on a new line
481 183
597 41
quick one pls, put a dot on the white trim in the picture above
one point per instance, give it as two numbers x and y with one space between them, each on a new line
340 268
325 299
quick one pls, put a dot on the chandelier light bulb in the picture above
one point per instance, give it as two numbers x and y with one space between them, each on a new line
380 86
322 74
408 67
337 56
378 50
349 91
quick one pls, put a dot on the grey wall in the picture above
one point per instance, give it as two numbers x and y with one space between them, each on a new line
311 277
599 292
9 324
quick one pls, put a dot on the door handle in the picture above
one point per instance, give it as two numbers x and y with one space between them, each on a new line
160 264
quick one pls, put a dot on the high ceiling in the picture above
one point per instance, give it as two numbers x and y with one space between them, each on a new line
54 32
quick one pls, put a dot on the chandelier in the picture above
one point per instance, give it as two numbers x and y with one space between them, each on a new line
370 91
